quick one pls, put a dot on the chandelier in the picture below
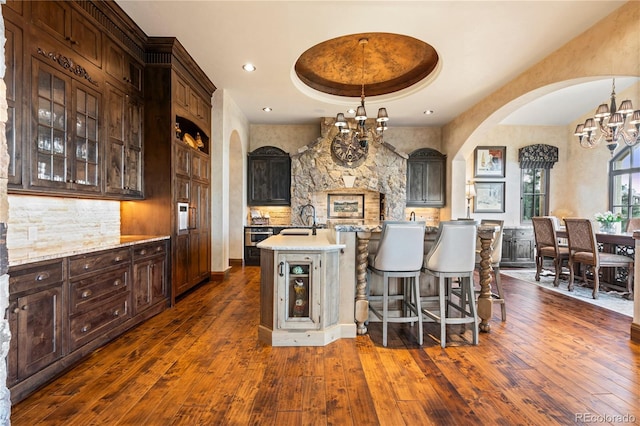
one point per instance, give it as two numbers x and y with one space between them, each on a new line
361 134
610 124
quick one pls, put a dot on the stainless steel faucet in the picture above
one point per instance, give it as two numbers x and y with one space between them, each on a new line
305 220
412 216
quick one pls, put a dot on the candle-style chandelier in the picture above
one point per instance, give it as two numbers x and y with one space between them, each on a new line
610 124
362 134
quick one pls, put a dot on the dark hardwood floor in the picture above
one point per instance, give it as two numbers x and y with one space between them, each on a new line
555 361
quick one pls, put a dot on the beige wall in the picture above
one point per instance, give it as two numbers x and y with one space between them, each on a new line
609 48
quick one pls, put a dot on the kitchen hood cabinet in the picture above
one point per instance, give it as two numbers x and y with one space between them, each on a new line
177 164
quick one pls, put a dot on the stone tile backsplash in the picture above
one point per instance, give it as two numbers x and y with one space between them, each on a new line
37 222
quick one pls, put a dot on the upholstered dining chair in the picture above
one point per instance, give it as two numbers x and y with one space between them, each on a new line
497 295
453 256
633 224
400 255
547 246
583 249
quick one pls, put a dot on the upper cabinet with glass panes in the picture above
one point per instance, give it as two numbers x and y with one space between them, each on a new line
59 140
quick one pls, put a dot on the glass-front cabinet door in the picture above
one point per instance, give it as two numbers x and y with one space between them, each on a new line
299 291
66 151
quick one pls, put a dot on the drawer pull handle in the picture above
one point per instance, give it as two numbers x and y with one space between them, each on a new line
143 252
117 282
281 269
16 310
85 328
159 248
86 266
86 294
118 258
116 313
25 308
43 276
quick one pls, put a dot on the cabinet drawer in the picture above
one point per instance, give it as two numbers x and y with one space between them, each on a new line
84 264
87 293
27 277
95 323
151 249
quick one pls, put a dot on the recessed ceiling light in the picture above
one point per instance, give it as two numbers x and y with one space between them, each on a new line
428 112
249 67
267 109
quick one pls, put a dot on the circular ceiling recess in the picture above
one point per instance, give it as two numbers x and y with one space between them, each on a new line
392 62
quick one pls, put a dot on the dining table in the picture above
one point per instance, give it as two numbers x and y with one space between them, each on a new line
612 242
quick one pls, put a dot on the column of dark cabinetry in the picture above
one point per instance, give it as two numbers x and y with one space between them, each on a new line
177 118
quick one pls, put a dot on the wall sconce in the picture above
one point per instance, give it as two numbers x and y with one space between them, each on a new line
470 192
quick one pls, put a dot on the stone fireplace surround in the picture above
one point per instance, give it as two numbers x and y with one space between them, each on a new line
315 174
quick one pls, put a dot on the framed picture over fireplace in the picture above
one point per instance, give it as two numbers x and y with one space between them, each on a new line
345 206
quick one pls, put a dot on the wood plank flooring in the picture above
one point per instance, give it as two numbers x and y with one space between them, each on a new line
555 361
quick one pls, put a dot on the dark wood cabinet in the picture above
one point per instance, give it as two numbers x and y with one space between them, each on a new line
14 131
61 310
36 318
174 171
124 143
75 97
518 246
70 26
426 178
269 177
67 152
149 276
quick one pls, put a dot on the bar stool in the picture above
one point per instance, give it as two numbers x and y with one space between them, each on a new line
453 256
400 254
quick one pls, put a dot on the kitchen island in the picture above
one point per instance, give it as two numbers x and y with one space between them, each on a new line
362 239
302 299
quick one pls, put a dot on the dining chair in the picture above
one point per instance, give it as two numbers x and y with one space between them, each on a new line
453 257
400 255
547 246
633 224
497 295
583 249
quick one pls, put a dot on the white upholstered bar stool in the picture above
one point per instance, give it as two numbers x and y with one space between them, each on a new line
400 255
453 256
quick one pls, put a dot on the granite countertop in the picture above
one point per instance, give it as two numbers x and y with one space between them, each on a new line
49 252
322 242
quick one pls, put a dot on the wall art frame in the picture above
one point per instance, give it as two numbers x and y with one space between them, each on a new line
489 161
345 206
490 197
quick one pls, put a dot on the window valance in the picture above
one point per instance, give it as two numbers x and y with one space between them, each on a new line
539 156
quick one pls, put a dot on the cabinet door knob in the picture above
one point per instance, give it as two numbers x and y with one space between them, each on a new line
25 308
143 252
86 294
117 282
16 310
43 276
85 328
86 266
118 259
116 313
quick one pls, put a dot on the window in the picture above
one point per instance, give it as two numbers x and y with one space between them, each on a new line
534 187
624 183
